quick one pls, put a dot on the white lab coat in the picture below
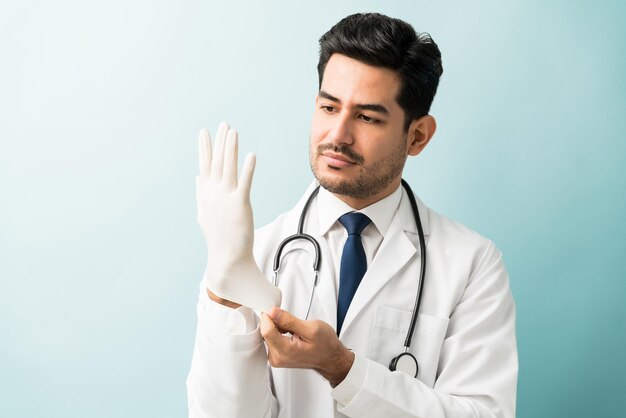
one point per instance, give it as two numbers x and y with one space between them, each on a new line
464 340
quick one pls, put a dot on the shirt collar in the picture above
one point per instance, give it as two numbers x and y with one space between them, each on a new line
330 208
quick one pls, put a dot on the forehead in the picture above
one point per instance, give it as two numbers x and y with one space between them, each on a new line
353 81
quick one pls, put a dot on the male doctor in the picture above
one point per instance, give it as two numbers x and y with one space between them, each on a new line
326 351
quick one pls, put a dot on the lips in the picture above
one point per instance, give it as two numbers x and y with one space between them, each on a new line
336 160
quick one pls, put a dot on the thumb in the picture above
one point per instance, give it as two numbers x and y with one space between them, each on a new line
268 329
288 322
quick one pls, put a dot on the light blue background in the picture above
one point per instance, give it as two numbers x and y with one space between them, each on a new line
100 255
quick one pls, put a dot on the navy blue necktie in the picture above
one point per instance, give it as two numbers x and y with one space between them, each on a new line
353 263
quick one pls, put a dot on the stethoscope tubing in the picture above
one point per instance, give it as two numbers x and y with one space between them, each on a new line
422 243
318 260
300 235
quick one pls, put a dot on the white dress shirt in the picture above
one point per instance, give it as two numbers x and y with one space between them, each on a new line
331 208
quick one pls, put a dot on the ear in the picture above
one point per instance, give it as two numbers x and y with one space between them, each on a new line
419 134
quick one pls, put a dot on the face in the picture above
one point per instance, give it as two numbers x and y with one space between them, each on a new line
358 145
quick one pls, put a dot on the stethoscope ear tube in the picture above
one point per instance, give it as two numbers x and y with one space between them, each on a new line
318 259
300 235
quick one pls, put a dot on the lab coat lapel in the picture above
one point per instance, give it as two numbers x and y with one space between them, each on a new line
395 251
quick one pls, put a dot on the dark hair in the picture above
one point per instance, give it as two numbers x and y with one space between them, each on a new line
382 41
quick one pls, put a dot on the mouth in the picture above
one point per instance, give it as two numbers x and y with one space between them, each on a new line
334 159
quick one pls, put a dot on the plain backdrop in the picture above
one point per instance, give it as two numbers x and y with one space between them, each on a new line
100 254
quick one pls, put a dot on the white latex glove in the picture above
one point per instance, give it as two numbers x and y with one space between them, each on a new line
225 217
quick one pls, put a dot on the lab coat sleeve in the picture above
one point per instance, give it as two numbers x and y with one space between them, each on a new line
477 371
229 374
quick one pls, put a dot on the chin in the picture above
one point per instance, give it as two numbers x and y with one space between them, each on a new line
330 177
341 186
337 180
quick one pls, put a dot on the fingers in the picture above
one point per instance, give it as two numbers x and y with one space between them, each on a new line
220 160
230 158
204 152
286 321
247 172
217 164
295 350
270 334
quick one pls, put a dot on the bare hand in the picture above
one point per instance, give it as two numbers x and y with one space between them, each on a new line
312 345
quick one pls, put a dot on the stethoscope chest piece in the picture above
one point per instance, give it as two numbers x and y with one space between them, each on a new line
405 362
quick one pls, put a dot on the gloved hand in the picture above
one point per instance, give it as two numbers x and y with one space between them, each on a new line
225 217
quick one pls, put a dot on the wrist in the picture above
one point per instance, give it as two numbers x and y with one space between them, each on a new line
337 371
222 301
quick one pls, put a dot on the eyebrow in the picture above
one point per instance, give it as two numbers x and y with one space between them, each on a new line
375 107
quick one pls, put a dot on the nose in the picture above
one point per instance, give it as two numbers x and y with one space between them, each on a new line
341 131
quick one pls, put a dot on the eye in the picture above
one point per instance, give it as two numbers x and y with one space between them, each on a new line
328 108
368 119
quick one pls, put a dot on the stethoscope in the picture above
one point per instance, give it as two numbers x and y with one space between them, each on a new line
405 361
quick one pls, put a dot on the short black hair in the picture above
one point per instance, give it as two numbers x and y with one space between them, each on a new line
382 41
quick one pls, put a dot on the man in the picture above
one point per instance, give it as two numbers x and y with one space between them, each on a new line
327 351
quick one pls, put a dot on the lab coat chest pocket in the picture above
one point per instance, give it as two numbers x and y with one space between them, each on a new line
389 332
